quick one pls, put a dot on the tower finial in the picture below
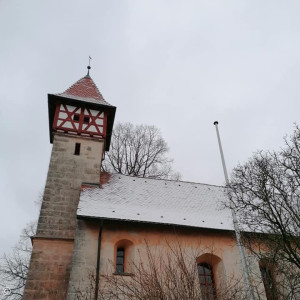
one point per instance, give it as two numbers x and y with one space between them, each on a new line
89 66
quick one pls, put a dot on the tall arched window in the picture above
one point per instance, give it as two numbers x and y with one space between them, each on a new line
124 255
207 283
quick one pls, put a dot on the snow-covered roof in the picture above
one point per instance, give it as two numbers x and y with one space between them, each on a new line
156 201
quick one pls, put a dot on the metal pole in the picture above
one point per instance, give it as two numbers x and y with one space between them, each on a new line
235 223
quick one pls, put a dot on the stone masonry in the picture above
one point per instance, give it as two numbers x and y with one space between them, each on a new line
53 244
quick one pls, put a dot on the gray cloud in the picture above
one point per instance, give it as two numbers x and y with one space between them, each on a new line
177 64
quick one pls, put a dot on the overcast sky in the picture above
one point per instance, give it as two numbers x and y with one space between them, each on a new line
179 65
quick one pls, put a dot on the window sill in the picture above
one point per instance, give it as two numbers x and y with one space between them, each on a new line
123 274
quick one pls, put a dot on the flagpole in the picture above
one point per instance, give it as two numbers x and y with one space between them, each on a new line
235 222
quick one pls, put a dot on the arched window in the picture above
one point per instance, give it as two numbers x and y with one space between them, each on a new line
123 256
207 283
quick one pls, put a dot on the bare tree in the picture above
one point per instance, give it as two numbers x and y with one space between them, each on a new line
265 193
139 150
14 267
171 274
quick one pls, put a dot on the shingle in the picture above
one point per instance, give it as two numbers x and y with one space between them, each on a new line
157 201
86 90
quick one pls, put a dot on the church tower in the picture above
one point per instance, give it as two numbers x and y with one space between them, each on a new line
80 124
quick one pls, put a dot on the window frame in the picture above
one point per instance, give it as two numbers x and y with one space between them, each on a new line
208 288
122 264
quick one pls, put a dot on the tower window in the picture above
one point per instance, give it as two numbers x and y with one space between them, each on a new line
76 118
77 149
206 278
120 260
86 119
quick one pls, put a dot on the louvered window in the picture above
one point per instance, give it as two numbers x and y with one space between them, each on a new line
77 149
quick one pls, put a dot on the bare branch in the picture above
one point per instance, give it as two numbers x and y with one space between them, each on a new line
14 267
265 193
139 151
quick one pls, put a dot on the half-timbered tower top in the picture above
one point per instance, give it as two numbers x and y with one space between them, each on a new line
81 110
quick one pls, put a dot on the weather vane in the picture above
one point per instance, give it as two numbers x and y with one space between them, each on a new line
89 66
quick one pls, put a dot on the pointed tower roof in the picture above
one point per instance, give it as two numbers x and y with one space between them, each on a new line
86 90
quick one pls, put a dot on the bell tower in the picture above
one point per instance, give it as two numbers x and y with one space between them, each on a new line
80 126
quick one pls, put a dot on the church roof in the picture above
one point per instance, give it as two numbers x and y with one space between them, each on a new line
86 90
156 201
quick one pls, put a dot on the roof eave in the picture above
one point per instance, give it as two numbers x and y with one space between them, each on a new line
84 217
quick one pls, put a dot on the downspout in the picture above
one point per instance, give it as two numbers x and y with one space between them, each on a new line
98 261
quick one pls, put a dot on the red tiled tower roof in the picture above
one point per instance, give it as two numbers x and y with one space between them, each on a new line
85 89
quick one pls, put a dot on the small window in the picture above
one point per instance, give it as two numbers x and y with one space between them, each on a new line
86 119
120 260
77 149
76 118
206 278
268 281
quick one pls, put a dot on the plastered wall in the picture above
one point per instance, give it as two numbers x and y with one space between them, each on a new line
136 237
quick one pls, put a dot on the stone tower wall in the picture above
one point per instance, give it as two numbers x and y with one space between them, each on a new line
53 244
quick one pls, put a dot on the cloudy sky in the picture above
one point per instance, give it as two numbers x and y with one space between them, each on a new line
179 65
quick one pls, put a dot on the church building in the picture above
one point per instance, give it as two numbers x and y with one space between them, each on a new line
93 224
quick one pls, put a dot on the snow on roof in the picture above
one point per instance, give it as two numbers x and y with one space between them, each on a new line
156 201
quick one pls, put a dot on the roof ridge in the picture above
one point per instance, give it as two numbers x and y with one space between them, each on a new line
170 180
